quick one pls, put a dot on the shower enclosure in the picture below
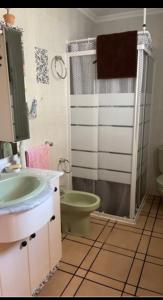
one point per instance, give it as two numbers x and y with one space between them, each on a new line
109 128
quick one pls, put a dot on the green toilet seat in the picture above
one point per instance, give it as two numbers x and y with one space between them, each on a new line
80 201
159 181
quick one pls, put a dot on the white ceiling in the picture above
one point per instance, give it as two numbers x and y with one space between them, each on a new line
107 14
109 11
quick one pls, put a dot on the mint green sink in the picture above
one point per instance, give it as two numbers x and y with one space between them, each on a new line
18 189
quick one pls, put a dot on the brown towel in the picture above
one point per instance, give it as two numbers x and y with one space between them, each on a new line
117 55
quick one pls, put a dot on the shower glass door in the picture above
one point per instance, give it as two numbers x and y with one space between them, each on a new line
102 117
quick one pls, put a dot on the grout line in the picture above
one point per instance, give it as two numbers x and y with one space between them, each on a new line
78 267
136 250
154 198
96 254
109 278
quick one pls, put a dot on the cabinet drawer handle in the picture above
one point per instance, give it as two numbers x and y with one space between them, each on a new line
52 218
32 236
23 244
0 56
55 189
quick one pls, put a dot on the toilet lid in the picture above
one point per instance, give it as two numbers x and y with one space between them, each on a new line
160 180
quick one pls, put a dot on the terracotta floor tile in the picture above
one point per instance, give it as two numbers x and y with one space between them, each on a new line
146 293
90 258
124 239
152 278
143 244
105 233
72 287
81 272
79 239
89 288
130 289
128 228
140 256
96 229
158 227
56 285
67 268
154 260
147 232
149 223
112 264
159 235
160 211
144 213
147 206
97 244
126 295
118 250
140 222
156 247
73 253
115 284
154 208
135 272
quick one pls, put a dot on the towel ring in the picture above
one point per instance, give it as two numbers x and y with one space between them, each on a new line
54 62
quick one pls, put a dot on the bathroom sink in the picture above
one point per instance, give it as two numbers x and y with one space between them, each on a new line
26 204
19 189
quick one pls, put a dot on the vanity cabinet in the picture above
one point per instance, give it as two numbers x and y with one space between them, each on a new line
14 269
26 263
38 254
14 124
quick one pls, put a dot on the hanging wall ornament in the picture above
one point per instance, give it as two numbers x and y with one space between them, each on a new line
41 59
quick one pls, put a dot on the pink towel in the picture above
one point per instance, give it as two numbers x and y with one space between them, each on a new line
38 157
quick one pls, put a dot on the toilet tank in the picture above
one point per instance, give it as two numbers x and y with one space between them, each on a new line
160 158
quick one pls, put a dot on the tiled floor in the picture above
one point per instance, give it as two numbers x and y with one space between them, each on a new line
118 259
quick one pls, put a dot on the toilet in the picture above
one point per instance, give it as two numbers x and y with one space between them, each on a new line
76 207
159 179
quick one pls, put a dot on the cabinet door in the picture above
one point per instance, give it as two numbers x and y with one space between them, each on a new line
55 244
16 76
14 270
38 251
6 111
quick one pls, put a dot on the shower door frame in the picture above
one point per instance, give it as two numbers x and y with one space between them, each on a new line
132 214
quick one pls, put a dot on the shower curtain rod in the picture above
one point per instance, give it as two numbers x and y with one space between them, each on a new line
82 40
93 39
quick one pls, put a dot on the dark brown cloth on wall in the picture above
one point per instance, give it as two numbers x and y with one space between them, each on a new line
117 55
